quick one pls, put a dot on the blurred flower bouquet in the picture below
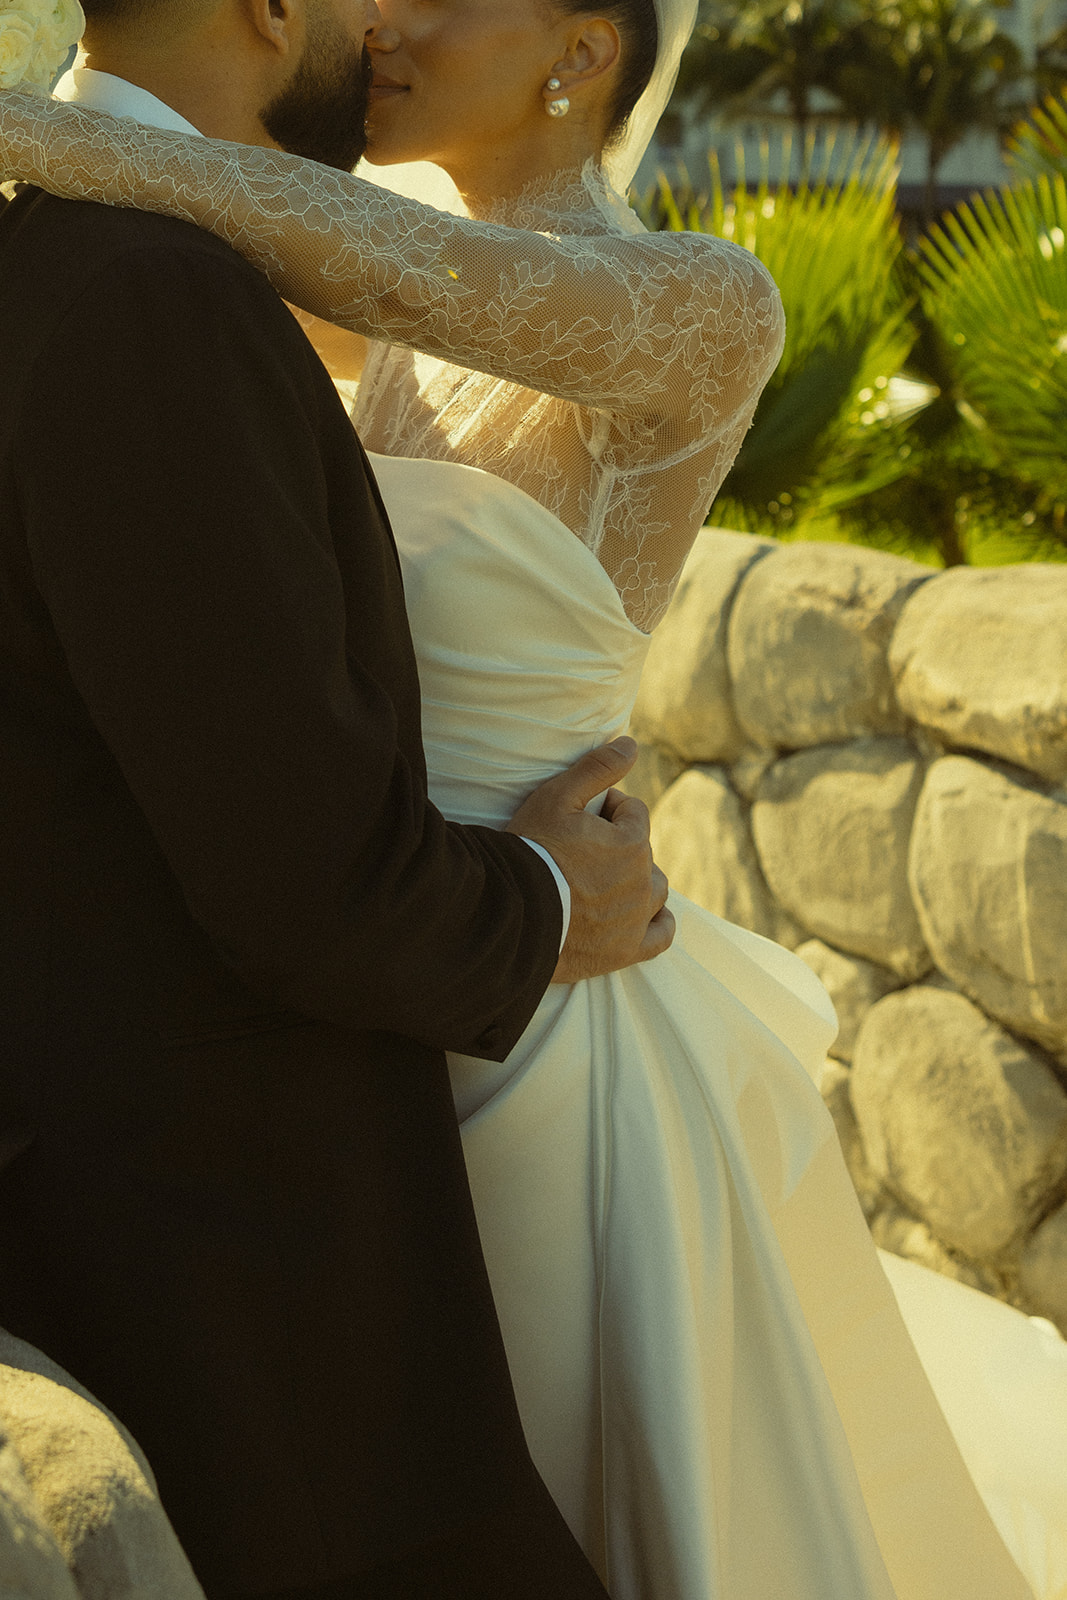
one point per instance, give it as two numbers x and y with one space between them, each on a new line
36 37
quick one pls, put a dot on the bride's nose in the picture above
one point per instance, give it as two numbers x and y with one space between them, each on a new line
380 36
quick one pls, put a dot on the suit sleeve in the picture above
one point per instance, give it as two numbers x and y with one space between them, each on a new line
178 517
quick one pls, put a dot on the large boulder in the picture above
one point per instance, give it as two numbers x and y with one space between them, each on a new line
852 984
808 644
701 839
685 701
832 827
746 773
980 656
92 1487
896 1230
1043 1269
988 871
965 1124
31 1565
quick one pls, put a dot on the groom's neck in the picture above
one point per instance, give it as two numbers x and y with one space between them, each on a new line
207 83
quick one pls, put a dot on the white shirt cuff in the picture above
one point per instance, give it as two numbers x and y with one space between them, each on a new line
561 884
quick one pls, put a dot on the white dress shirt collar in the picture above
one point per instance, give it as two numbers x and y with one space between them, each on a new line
102 91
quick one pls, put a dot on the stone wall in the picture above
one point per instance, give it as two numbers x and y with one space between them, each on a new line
867 761
80 1517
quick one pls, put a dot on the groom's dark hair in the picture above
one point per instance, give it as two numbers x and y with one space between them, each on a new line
156 12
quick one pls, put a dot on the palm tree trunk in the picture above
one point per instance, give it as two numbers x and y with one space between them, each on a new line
946 521
935 154
929 195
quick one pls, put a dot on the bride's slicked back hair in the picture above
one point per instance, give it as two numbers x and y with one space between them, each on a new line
639 33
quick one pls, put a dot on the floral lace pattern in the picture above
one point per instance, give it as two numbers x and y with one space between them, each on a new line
608 372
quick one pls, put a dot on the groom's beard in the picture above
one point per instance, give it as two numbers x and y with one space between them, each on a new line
322 114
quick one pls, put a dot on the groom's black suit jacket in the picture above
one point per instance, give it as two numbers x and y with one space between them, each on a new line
236 938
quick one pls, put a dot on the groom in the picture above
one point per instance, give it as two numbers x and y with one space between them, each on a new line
236 939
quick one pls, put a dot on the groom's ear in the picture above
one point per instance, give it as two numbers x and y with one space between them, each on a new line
280 23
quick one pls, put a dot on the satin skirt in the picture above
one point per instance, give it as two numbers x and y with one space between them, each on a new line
712 1368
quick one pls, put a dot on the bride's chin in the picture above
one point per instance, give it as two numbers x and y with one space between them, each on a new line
414 178
392 146
383 158
383 152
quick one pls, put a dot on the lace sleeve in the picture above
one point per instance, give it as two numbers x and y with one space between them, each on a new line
673 334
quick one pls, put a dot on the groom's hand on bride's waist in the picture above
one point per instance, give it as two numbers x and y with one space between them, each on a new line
618 894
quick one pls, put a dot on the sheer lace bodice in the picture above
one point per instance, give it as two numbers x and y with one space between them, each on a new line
608 372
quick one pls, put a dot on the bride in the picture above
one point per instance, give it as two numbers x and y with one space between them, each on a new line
712 1370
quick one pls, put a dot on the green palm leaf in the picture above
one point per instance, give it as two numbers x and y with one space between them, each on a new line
996 285
831 242
1039 146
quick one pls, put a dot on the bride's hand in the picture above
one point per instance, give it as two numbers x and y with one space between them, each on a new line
618 894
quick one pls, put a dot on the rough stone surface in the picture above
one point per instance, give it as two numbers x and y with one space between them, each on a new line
31 1566
988 873
746 773
966 1125
893 1229
91 1484
835 1088
832 827
980 656
651 774
1043 1270
685 700
701 839
861 713
808 643
852 984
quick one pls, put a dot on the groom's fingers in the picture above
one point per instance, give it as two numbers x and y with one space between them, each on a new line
618 913
659 935
596 771
626 812
569 793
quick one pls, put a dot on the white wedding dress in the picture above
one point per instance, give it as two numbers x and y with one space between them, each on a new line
711 1367
713 1374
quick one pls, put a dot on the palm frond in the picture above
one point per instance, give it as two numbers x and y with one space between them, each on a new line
995 276
1039 146
819 213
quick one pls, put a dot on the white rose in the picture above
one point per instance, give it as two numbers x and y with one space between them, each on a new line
18 40
62 25
44 68
49 54
68 21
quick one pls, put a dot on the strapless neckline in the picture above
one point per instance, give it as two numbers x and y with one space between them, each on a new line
526 656
555 537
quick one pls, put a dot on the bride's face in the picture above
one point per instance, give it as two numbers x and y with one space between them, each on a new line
449 74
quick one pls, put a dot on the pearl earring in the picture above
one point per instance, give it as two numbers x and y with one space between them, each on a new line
560 106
